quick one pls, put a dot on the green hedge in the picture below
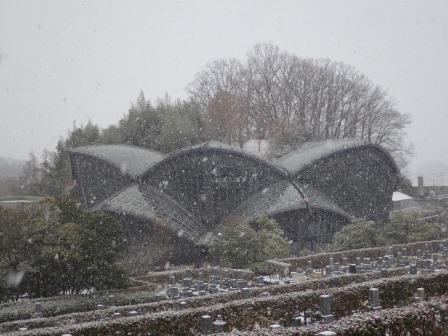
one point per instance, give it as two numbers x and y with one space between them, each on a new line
417 320
242 314
197 302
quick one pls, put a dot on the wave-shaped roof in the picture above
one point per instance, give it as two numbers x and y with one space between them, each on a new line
192 189
308 153
156 207
285 196
216 147
132 161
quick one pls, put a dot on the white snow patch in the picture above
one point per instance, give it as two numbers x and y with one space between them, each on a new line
258 147
399 196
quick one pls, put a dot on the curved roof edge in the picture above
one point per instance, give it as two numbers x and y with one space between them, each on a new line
309 153
132 161
146 205
285 197
218 147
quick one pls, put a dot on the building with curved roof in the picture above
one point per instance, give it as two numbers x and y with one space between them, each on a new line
312 192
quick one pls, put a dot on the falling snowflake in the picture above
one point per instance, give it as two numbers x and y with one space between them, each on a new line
14 278
124 168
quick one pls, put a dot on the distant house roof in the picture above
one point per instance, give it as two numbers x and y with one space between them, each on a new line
399 196
132 161
413 206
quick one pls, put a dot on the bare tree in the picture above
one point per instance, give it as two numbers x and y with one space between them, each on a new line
220 92
277 95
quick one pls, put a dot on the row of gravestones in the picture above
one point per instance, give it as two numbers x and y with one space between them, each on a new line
424 260
206 326
190 287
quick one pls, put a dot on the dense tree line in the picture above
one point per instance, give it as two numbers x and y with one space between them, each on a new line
276 95
56 248
164 127
401 229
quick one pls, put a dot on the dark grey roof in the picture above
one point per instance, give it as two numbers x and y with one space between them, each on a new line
132 161
156 207
310 152
218 147
283 197
319 200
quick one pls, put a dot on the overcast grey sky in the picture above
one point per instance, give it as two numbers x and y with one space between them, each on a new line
65 61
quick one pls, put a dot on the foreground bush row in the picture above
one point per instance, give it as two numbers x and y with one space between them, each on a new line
153 307
415 320
244 313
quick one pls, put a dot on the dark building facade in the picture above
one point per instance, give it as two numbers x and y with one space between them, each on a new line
312 192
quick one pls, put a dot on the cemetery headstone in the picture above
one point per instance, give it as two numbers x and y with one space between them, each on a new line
205 324
374 299
39 310
325 308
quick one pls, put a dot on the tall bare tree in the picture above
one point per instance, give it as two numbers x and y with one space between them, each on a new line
276 95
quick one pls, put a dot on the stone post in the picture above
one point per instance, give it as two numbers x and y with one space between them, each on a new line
297 321
205 324
325 308
38 309
327 333
420 296
374 299
275 326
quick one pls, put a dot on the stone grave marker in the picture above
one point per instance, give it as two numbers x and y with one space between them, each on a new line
325 308
205 324
374 299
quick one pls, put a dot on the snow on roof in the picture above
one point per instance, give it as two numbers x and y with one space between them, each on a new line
257 147
399 196
136 159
